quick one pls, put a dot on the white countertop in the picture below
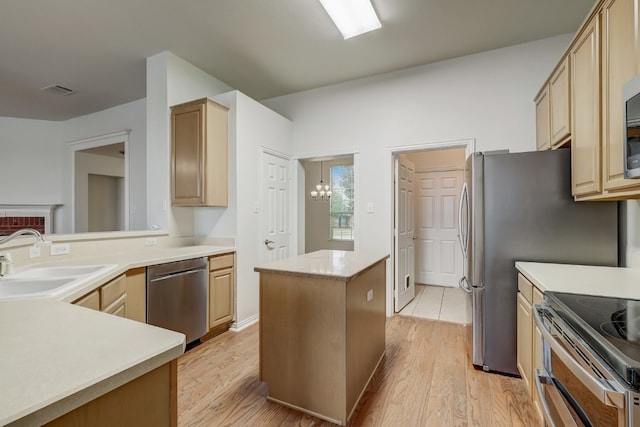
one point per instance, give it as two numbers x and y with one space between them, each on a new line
583 279
324 263
55 356
123 261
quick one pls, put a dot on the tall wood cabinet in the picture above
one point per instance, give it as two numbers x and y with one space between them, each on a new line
199 154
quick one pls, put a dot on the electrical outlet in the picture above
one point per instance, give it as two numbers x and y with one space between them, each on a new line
151 241
369 295
59 249
34 252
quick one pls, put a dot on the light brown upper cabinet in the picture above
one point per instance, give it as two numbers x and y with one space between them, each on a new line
199 146
553 108
560 104
603 56
619 65
543 135
585 144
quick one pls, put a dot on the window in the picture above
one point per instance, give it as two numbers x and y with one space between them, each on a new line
341 202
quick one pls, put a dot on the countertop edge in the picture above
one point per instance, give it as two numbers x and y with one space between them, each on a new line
301 270
49 411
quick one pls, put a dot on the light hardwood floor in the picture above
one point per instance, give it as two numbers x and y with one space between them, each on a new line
425 379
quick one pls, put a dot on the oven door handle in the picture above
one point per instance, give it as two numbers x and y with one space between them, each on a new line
603 391
539 379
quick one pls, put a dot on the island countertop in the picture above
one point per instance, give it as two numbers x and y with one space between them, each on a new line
325 263
56 357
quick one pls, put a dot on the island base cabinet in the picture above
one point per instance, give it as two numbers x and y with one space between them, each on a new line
321 339
150 400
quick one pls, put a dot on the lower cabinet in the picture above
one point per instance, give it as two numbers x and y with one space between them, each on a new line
110 298
529 339
149 400
221 291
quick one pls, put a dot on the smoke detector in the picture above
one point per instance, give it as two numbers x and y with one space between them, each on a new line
59 90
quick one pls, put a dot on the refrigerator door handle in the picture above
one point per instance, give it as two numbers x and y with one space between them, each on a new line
463 234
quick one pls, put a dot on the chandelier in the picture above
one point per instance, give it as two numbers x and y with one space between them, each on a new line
322 190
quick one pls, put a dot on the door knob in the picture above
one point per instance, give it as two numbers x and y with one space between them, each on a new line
268 243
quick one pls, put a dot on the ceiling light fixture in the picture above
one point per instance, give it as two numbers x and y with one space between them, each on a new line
352 17
322 190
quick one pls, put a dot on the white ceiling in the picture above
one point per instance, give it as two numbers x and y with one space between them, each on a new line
264 48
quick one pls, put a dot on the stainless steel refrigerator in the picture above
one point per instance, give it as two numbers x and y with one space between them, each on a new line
518 207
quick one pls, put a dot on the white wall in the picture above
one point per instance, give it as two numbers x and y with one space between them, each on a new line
31 155
36 160
170 81
487 96
131 116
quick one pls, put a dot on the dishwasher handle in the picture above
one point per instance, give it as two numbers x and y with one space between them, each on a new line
161 270
172 275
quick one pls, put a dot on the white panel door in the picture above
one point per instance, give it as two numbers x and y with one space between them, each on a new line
404 283
275 212
439 258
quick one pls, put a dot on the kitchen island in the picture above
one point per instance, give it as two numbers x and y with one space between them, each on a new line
322 329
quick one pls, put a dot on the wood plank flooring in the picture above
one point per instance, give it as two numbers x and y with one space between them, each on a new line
425 379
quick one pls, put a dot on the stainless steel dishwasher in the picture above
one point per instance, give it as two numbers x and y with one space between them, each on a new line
177 297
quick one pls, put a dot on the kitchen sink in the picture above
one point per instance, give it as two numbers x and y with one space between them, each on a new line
11 288
51 272
52 282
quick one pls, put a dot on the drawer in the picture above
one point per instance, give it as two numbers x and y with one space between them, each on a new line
118 307
91 300
112 291
220 261
525 287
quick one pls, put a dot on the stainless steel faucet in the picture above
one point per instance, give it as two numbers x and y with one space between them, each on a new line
39 239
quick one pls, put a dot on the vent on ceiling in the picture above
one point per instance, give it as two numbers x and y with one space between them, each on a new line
59 90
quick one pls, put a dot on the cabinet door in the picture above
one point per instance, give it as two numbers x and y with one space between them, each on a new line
524 336
187 153
585 144
220 297
542 120
618 45
560 103
136 289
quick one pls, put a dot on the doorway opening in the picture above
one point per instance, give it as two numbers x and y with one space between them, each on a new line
100 193
427 259
329 222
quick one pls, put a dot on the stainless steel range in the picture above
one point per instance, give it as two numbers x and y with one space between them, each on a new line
591 352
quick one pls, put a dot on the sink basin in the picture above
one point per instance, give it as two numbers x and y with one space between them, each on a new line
18 287
51 272
53 282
